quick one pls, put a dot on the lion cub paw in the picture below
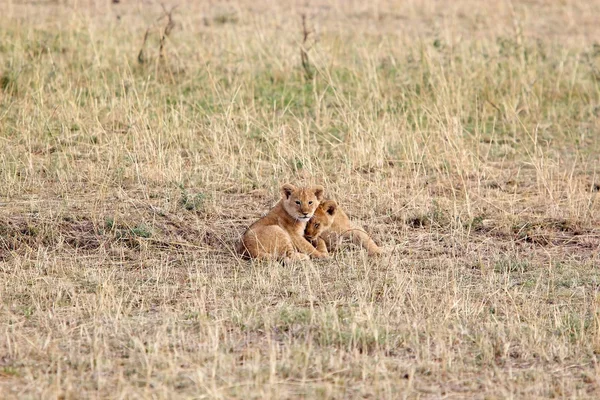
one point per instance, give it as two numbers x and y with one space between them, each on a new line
321 256
387 250
297 257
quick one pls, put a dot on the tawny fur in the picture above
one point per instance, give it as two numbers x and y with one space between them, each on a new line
330 224
279 235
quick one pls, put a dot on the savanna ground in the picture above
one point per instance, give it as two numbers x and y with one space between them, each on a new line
463 134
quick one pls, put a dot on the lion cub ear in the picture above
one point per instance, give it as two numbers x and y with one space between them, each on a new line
319 191
330 206
287 189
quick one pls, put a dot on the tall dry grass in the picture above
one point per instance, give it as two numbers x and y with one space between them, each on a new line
462 134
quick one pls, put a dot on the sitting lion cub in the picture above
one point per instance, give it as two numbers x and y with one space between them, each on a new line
280 233
330 224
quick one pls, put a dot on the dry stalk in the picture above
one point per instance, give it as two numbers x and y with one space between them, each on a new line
166 31
308 72
141 58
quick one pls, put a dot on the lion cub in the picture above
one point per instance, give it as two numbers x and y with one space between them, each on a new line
280 233
330 224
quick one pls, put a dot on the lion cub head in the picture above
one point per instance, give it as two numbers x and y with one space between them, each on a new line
321 220
301 203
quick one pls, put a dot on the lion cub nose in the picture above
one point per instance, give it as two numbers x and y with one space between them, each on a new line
305 213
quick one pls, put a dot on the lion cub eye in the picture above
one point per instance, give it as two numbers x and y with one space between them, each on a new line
298 202
316 225
310 202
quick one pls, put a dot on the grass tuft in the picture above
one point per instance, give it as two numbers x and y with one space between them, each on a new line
462 136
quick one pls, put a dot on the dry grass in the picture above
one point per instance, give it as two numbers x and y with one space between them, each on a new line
463 134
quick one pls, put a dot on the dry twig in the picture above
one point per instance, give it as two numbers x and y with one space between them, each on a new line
308 72
168 28
164 35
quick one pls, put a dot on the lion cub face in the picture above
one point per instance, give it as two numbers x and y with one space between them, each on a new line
321 220
301 203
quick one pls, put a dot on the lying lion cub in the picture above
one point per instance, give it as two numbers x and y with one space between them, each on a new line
280 233
330 224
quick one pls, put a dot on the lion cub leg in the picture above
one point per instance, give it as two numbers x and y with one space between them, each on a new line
320 245
331 240
356 235
268 243
360 237
306 247
296 256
